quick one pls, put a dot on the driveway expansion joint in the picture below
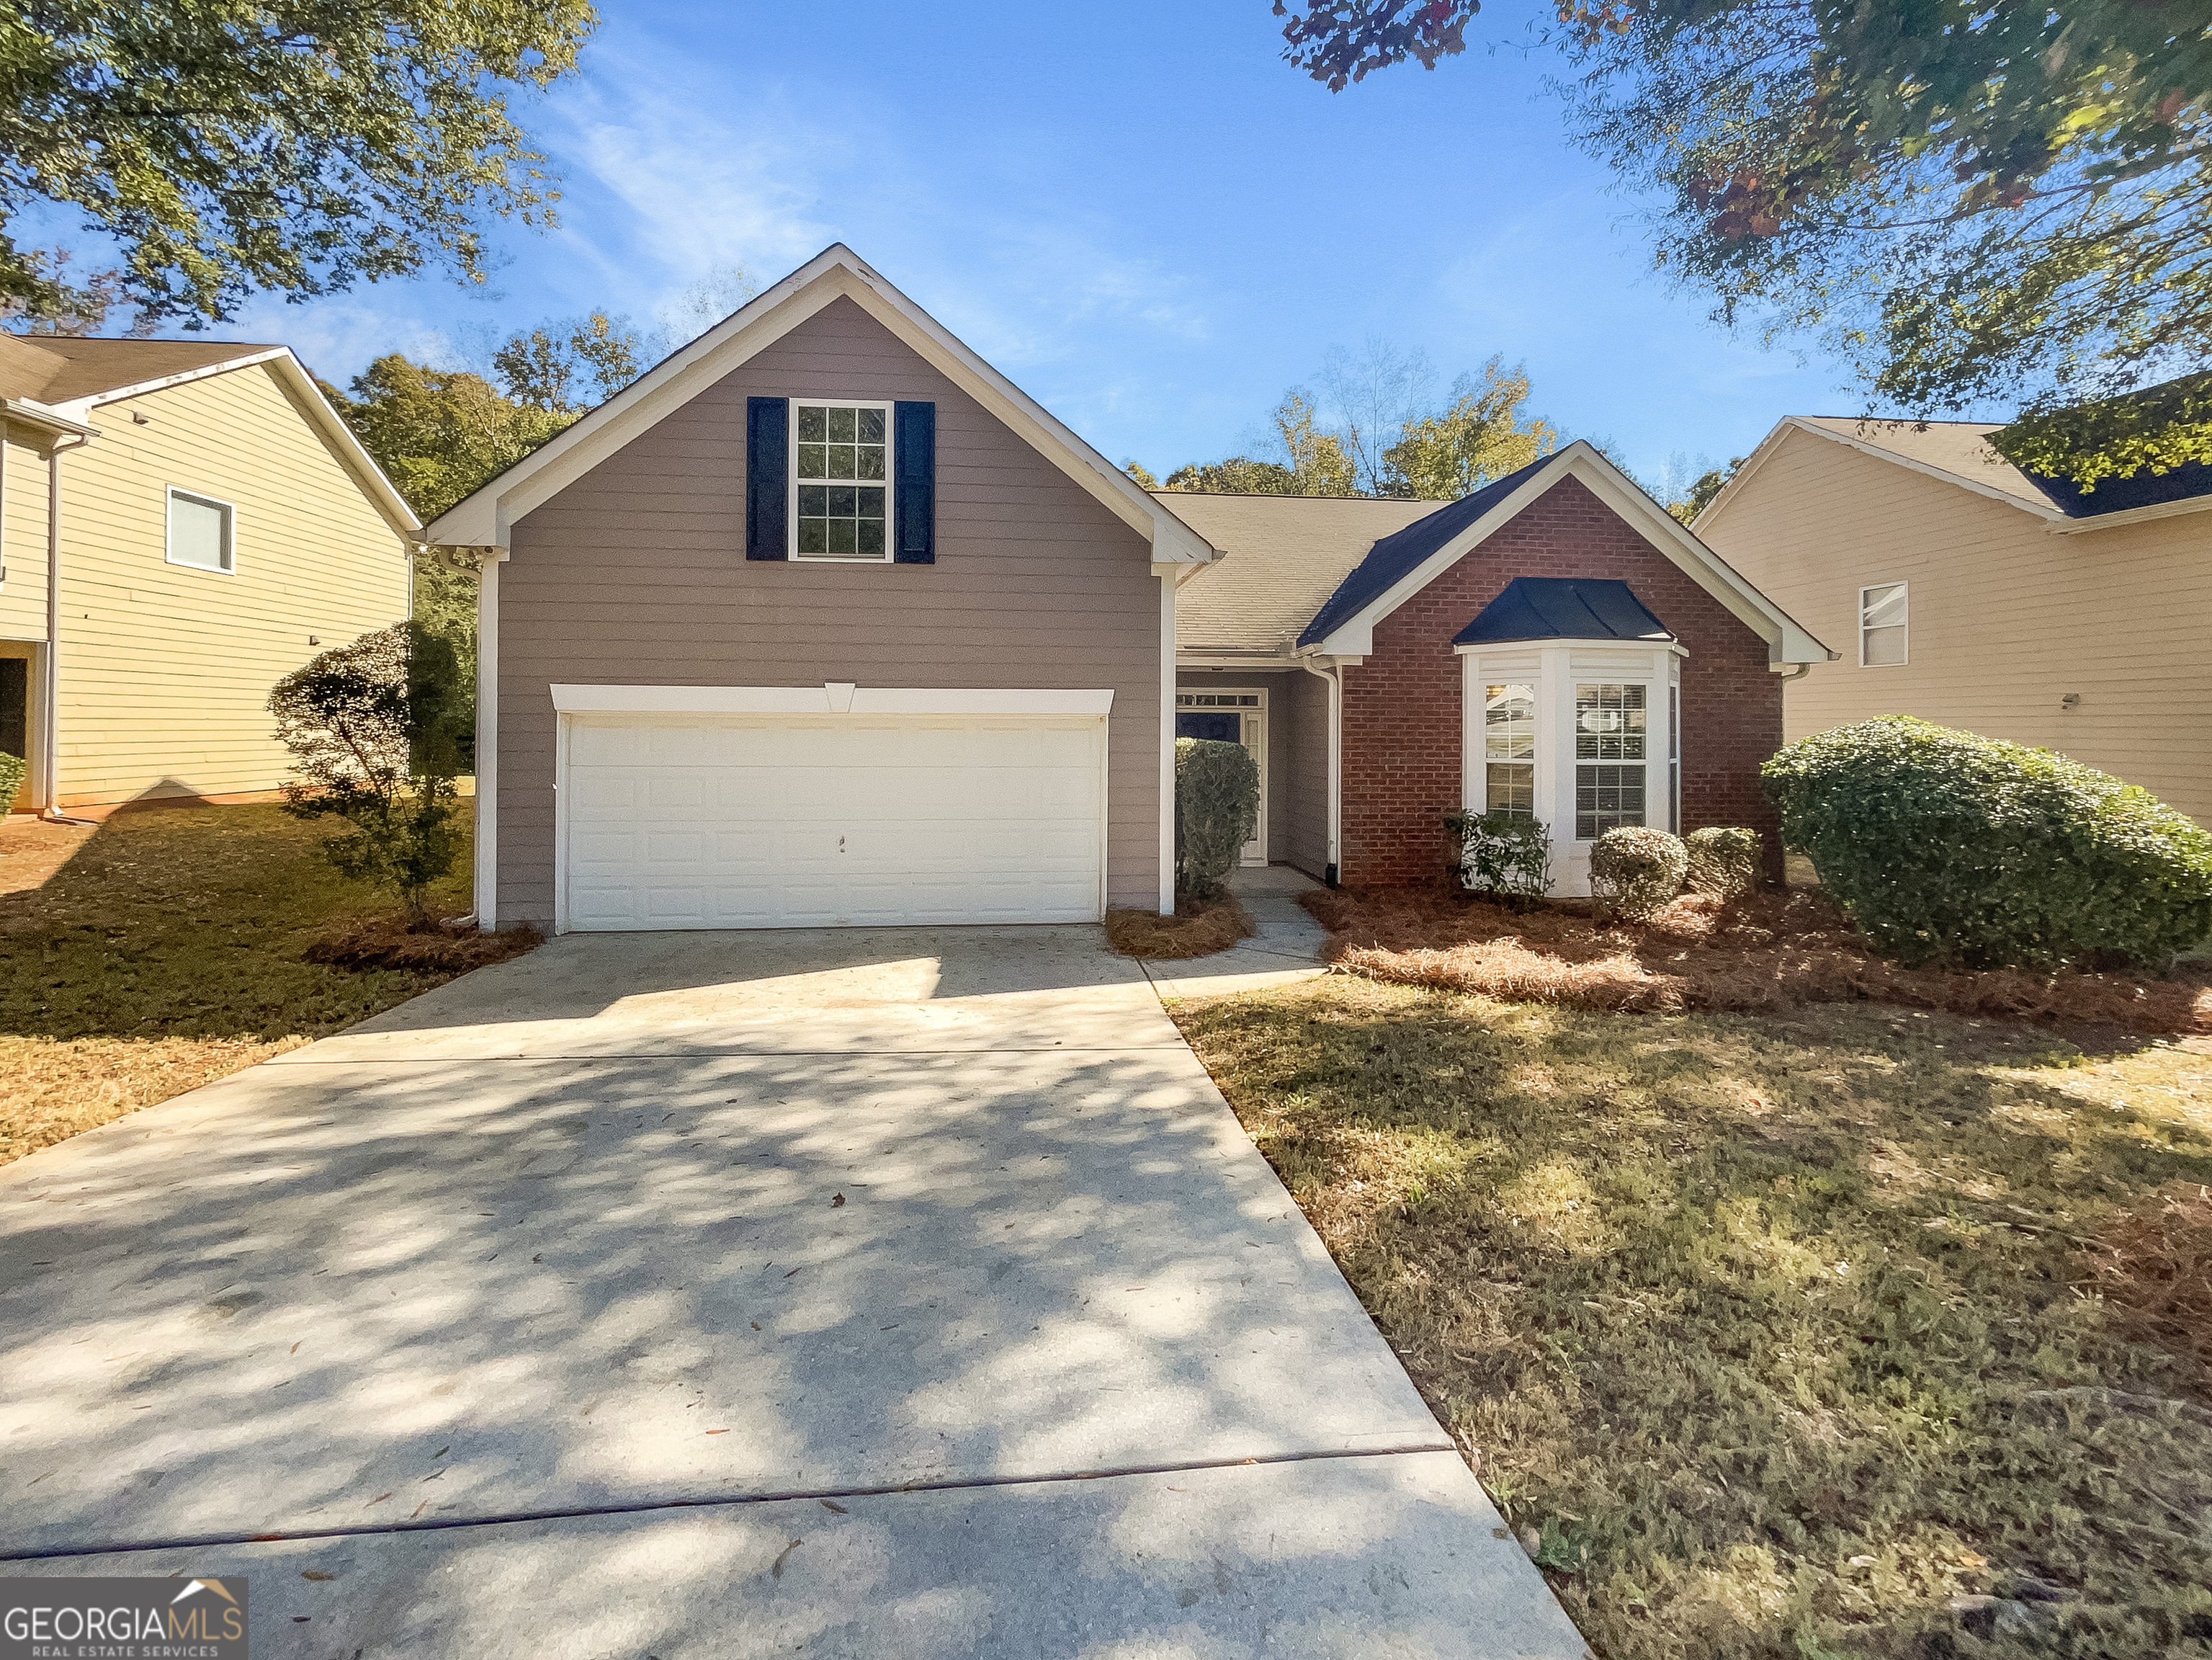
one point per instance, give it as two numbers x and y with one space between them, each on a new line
210 1541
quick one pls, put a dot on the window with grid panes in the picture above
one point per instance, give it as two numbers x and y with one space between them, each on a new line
841 460
1508 749
1610 735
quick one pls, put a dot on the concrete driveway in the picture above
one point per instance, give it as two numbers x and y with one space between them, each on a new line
856 1292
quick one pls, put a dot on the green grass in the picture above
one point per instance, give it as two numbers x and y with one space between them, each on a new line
167 951
1771 1333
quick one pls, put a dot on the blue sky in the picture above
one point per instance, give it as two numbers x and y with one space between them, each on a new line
1137 211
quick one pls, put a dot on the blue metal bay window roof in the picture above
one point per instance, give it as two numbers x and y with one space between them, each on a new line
1563 608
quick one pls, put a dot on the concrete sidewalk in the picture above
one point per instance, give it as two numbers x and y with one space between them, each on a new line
875 1290
1286 951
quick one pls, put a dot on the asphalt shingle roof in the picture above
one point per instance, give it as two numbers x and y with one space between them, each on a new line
1563 608
1282 556
57 368
1394 557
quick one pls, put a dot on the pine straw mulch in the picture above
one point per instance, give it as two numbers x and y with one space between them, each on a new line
1772 950
387 942
2153 1266
1199 927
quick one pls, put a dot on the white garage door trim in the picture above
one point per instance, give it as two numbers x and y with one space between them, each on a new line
993 705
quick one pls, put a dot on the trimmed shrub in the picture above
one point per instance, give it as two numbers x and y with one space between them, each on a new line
1950 848
373 728
1634 870
1217 810
1508 854
12 768
1724 860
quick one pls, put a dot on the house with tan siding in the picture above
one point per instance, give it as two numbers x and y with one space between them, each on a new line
182 523
1965 592
824 622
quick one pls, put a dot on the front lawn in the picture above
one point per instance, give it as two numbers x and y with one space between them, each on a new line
165 951
1779 1334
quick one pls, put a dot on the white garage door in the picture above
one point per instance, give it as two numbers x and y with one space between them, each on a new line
682 821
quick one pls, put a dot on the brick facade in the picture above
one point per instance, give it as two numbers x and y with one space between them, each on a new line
1401 707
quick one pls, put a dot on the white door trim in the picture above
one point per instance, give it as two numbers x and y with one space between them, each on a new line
833 697
1254 737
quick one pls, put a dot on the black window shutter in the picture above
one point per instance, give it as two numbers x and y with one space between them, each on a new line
768 477
913 498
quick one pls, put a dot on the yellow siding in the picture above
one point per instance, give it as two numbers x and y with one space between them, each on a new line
165 669
23 537
2006 616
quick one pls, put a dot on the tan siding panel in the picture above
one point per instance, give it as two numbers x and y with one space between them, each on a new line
23 540
636 575
165 669
2006 616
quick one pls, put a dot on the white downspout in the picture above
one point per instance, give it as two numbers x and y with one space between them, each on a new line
1170 576
50 692
1334 867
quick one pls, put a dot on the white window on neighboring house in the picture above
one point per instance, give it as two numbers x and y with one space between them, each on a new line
1611 732
200 531
841 480
1508 750
1881 626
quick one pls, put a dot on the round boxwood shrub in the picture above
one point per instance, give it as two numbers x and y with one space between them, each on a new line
1951 848
1724 860
1217 810
12 768
1634 870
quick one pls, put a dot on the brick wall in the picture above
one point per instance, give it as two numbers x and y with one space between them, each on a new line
1401 708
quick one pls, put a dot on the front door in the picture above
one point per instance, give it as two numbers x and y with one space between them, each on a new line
1232 717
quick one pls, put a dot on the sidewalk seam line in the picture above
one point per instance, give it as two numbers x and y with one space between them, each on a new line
206 1542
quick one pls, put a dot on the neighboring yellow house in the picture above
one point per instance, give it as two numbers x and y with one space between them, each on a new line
182 523
1964 591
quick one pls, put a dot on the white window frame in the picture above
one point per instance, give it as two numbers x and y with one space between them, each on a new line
1904 588
229 531
1575 763
1480 784
890 554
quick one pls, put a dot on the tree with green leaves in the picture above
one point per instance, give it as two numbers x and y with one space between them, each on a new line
231 146
1970 203
1479 436
559 367
374 729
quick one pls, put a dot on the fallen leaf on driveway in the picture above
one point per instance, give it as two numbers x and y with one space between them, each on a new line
794 1270
379 1500
837 1202
315 1573
831 1504
776 1572
718 1432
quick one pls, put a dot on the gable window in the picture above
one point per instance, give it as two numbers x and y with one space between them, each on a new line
840 468
1882 626
1508 749
200 531
1610 732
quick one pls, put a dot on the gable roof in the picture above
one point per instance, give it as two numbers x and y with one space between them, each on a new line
1958 453
1281 558
484 519
57 380
63 369
1563 608
1395 558
1400 566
